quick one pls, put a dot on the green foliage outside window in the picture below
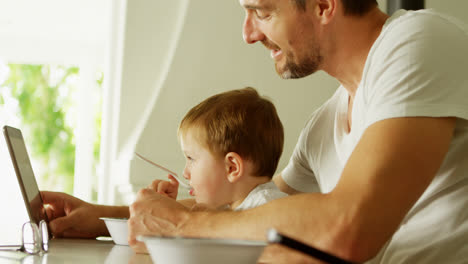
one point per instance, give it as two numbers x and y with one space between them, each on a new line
46 110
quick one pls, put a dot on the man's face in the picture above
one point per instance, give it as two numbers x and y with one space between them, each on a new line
287 32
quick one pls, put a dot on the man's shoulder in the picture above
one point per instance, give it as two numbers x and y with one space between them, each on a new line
415 39
423 20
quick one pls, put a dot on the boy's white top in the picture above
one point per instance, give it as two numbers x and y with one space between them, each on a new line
418 66
261 194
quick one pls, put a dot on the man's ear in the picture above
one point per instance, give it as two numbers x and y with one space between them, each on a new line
325 10
234 166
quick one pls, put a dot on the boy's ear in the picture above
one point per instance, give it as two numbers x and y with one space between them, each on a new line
234 166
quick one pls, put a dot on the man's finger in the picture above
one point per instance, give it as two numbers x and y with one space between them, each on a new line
61 224
52 213
76 234
137 246
142 193
52 198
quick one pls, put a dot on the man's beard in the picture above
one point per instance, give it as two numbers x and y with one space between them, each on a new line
293 70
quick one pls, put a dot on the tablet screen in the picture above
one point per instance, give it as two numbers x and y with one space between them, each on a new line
25 174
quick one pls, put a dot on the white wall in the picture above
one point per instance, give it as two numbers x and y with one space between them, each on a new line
52 31
210 57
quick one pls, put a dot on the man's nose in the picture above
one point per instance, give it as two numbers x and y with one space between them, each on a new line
250 32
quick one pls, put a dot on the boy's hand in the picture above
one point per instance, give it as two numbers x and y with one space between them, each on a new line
168 188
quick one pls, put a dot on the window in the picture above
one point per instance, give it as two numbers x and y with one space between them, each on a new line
60 43
43 101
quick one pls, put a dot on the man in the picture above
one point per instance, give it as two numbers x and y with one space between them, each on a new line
382 165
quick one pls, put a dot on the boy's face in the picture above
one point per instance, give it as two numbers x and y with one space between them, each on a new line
207 173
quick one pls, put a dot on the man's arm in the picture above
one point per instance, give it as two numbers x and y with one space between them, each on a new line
71 217
392 165
189 203
283 186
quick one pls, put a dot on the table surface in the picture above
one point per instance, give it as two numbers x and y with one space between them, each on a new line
78 251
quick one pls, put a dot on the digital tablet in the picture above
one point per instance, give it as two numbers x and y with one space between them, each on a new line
24 172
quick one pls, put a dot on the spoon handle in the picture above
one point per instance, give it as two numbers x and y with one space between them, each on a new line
164 169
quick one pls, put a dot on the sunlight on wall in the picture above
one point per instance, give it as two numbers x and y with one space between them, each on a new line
13 211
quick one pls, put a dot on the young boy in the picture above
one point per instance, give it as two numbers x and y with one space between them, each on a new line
232 142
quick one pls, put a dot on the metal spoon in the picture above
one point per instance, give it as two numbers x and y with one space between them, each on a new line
181 182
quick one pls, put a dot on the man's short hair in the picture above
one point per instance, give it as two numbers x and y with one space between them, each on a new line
351 7
239 121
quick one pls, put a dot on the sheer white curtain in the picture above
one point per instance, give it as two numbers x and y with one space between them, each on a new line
144 37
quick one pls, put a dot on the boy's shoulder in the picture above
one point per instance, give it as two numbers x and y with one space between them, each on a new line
260 195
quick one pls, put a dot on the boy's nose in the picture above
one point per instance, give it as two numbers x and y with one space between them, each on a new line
186 174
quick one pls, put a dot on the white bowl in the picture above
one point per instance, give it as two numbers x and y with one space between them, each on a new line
118 229
177 250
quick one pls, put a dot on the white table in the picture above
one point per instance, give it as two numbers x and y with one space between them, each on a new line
79 251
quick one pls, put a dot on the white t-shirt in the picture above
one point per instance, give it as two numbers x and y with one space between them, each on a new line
418 66
261 194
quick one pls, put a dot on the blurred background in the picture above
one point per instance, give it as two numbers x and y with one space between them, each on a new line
91 82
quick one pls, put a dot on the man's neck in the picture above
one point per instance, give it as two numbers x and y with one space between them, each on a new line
354 37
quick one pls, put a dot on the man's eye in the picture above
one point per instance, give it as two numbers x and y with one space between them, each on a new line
261 14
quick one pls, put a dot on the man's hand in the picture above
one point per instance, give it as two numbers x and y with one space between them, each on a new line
72 217
154 214
168 188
